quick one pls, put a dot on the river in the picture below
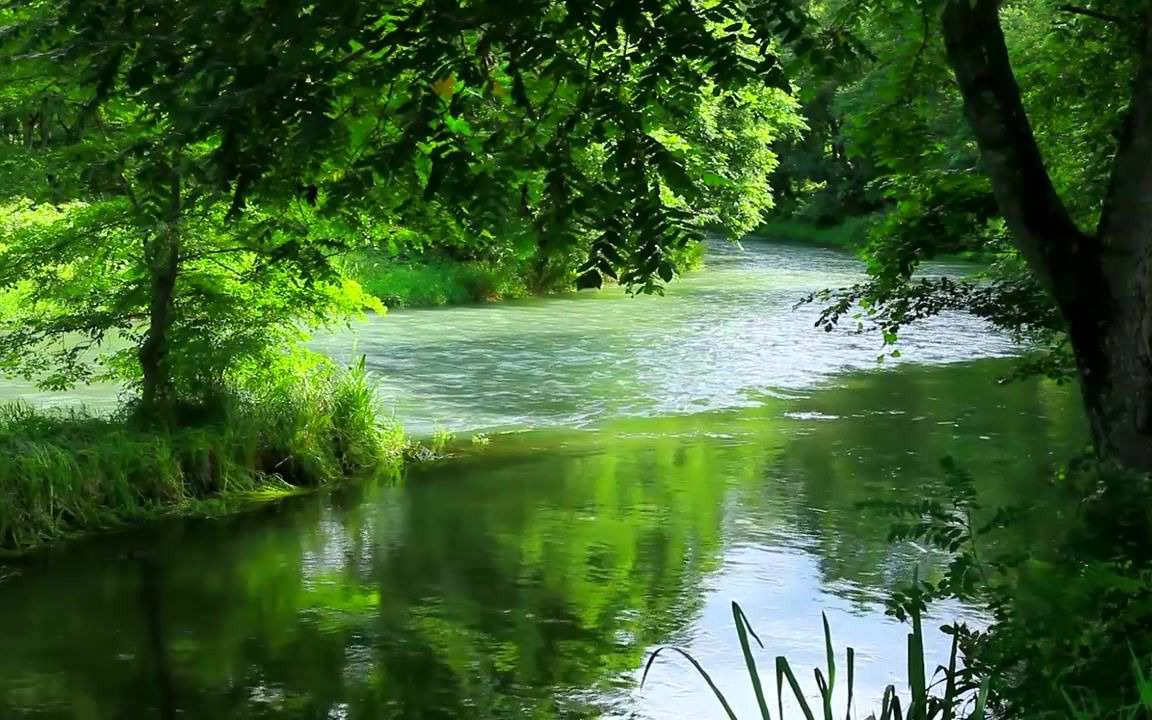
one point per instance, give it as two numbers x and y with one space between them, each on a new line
639 464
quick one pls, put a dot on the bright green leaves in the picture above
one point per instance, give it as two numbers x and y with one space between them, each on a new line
519 91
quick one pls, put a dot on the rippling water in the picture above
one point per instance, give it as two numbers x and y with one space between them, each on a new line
718 339
651 461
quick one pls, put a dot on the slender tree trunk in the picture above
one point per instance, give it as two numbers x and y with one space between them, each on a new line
1102 283
162 254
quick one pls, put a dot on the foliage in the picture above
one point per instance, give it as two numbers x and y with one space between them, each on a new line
64 473
188 206
895 126
922 704
425 284
1065 617
75 274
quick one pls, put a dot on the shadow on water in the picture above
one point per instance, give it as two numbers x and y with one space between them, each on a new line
528 579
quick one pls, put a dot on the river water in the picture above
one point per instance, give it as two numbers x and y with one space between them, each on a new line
639 464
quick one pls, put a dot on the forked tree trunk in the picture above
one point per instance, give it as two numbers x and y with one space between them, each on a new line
1102 282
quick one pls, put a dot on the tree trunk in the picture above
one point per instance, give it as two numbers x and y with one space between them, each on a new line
162 255
1102 282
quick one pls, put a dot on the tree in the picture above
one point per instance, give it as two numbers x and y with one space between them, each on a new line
1101 281
257 140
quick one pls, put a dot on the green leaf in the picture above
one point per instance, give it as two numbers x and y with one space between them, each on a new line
743 629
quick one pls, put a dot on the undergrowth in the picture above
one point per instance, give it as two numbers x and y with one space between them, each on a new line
66 472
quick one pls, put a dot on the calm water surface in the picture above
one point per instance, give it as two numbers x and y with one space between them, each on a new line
650 461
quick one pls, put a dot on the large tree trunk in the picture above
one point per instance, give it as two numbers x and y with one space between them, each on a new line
1101 282
162 255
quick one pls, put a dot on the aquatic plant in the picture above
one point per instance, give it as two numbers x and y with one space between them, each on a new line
924 700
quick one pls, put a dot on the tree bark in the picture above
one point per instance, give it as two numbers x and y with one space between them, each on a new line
162 255
1101 282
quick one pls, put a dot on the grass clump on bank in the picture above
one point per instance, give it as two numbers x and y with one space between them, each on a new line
64 473
850 234
435 282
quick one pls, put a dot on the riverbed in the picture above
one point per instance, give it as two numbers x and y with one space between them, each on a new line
624 469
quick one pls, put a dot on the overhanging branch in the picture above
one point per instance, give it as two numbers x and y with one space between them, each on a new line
1088 12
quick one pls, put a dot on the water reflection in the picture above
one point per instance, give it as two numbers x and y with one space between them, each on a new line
528 579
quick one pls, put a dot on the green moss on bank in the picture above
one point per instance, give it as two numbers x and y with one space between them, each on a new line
63 474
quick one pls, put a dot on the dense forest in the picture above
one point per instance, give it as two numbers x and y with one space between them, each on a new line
189 190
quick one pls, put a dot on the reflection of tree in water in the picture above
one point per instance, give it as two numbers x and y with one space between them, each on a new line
511 583
890 432
516 583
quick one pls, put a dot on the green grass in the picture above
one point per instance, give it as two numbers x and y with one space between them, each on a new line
437 282
63 474
430 284
852 234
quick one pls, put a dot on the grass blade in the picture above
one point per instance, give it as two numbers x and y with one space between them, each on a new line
743 628
950 680
825 693
917 706
829 653
890 706
981 700
784 670
700 669
1143 687
851 682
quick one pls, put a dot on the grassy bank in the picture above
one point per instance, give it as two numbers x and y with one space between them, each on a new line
852 234
63 474
435 281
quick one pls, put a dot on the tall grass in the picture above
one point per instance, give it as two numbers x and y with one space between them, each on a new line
946 698
851 234
433 283
63 473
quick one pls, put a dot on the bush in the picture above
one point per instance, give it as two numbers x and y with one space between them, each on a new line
64 473
1072 617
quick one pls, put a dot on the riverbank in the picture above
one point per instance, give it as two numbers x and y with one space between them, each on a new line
436 280
64 474
851 236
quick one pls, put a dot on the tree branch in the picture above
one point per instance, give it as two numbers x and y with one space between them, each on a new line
1126 221
1040 225
1087 12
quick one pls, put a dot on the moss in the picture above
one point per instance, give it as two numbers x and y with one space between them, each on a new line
62 474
